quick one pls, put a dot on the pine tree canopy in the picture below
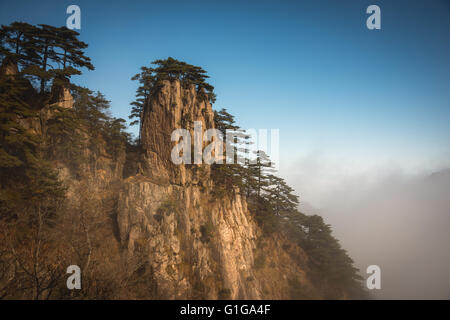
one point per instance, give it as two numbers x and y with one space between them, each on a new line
43 52
150 78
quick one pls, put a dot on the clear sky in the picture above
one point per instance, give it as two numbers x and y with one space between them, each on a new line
310 68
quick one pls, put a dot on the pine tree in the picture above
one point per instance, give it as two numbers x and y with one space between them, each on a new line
224 121
229 176
150 79
146 81
17 44
27 179
92 110
329 263
71 52
260 168
44 52
64 137
116 137
280 196
59 46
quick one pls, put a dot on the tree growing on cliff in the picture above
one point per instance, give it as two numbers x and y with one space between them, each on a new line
146 80
30 197
228 176
172 69
224 121
275 207
259 170
330 264
26 177
17 44
280 196
150 79
103 130
44 52
42 231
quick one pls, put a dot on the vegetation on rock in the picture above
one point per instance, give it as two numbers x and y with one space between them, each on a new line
44 228
150 80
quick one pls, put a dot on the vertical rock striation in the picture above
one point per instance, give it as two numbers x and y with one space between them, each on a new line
195 245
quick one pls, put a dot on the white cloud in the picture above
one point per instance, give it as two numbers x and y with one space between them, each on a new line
391 215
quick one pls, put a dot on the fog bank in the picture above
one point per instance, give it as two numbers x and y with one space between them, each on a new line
399 221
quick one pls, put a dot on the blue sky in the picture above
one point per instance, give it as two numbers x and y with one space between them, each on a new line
310 68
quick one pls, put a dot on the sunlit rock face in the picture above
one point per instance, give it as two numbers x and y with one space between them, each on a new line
60 94
196 246
173 107
65 98
168 231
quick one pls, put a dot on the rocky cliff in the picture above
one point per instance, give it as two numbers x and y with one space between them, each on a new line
148 228
75 189
195 245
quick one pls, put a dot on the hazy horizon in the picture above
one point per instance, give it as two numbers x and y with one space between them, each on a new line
396 220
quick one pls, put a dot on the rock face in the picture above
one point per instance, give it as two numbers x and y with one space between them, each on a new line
190 244
195 245
65 98
61 95
172 107
167 233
